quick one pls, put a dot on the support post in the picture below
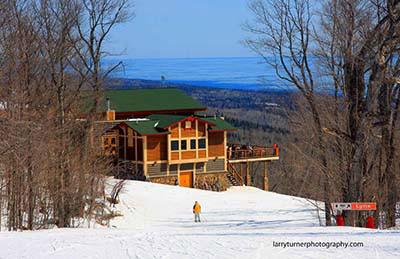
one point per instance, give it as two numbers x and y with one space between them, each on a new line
266 183
248 180
194 175
206 140
169 147
145 155
180 139
197 139
241 173
126 132
136 152
225 153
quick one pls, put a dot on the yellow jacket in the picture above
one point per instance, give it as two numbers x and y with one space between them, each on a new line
196 208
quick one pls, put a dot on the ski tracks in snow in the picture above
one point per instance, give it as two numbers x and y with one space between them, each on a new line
243 222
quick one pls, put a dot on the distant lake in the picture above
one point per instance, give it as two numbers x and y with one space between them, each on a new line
235 73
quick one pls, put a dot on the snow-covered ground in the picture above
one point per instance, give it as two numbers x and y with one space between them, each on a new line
242 222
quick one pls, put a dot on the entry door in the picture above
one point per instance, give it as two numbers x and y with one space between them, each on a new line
186 179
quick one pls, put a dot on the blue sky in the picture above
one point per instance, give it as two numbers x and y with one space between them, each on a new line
183 29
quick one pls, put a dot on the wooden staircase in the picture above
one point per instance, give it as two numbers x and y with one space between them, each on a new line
234 176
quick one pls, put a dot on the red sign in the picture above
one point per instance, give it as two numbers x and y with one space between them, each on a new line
363 206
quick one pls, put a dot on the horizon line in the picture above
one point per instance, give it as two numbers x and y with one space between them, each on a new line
214 57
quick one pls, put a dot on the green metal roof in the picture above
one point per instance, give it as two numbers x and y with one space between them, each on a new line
157 122
220 124
145 127
159 99
165 120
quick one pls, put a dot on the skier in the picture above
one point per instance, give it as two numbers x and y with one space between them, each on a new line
196 211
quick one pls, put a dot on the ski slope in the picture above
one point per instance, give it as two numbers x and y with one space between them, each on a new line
242 222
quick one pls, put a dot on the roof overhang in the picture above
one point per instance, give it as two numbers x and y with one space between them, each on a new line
222 130
140 134
189 118
144 113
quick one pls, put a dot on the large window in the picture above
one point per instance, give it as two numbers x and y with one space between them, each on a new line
188 144
202 143
183 144
192 144
174 145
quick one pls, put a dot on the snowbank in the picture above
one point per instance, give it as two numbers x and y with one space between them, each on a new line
243 222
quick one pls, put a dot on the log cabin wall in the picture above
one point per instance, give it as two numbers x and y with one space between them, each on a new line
131 150
189 134
155 154
186 167
202 154
134 146
188 129
174 131
140 149
130 144
200 168
211 158
216 144
201 129
188 155
215 165
173 169
157 148
174 155
157 169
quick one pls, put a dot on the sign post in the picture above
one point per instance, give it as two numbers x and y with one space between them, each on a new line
339 206
363 206
354 206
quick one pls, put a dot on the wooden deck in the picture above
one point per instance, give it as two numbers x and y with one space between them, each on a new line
237 155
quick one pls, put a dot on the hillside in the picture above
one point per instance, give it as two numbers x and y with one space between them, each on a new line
242 222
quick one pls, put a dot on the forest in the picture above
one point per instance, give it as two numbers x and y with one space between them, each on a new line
50 54
338 132
343 58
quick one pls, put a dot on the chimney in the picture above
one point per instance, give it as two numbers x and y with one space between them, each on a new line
110 113
108 104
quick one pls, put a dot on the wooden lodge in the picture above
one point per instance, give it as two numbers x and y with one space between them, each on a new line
165 136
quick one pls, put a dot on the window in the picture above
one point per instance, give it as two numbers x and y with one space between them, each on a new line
202 143
188 124
174 145
113 141
192 144
183 145
105 141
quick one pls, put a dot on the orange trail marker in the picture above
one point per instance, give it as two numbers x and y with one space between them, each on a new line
363 206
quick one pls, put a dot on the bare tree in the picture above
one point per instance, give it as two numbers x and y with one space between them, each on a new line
94 25
349 49
283 29
43 179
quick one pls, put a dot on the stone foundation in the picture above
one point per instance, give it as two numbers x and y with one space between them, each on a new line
207 181
171 180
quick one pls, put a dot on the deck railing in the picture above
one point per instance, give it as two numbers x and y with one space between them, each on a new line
252 153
